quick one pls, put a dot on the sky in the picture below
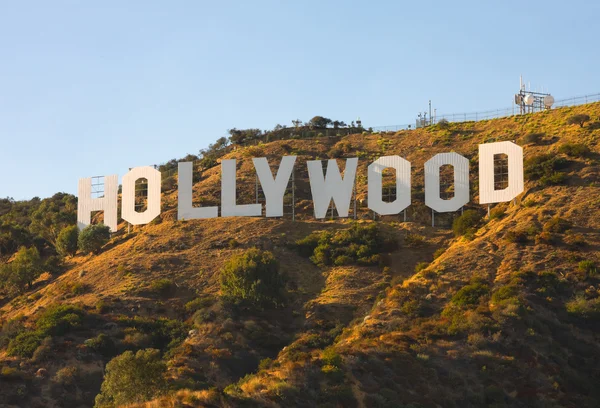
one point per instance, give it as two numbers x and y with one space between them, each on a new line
95 88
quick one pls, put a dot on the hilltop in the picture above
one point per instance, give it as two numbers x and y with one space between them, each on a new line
501 311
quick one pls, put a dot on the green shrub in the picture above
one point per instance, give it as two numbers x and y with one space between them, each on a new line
505 293
162 287
102 307
516 236
557 225
163 333
102 344
574 149
133 378
438 252
331 357
11 329
53 265
265 363
414 240
253 279
443 123
470 294
546 169
93 237
467 223
584 308
533 138
496 213
361 245
59 319
197 304
25 344
420 266
588 267
67 376
66 242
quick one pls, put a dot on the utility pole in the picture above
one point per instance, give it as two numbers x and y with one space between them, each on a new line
430 117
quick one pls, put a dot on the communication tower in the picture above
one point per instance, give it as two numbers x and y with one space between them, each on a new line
531 101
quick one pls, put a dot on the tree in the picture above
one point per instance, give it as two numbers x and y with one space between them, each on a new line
253 279
319 122
93 237
66 243
26 266
578 119
467 223
242 136
133 378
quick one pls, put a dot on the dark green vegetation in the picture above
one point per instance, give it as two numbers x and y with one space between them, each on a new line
132 378
358 245
252 279
93 237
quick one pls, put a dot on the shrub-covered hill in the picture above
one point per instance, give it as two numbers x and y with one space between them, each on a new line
499 311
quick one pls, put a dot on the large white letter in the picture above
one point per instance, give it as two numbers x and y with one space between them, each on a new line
128 212
375 185
487 192
432 182
86 204
274 189
375 180
229 208
331 186
185 209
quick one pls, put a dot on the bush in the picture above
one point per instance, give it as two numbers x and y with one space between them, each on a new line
584 308
443 123
253 279
496 213
161 333
358 244
58 319
438 252
102 344
133 378
557 225
414 240
574 149
162 287
578 119
93 237
516 236
420 266
67 376
470 294
588 267
467 223
330 357
505 293
533 138
545 168
197 304
25 344
66 242
11 329
53 265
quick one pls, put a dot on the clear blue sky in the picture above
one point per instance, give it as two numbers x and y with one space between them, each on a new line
93 88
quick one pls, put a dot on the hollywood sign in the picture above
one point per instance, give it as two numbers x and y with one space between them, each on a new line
324 187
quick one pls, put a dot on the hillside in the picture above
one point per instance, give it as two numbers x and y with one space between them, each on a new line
504 313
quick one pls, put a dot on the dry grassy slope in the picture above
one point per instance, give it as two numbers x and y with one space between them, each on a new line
376 345
542 358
